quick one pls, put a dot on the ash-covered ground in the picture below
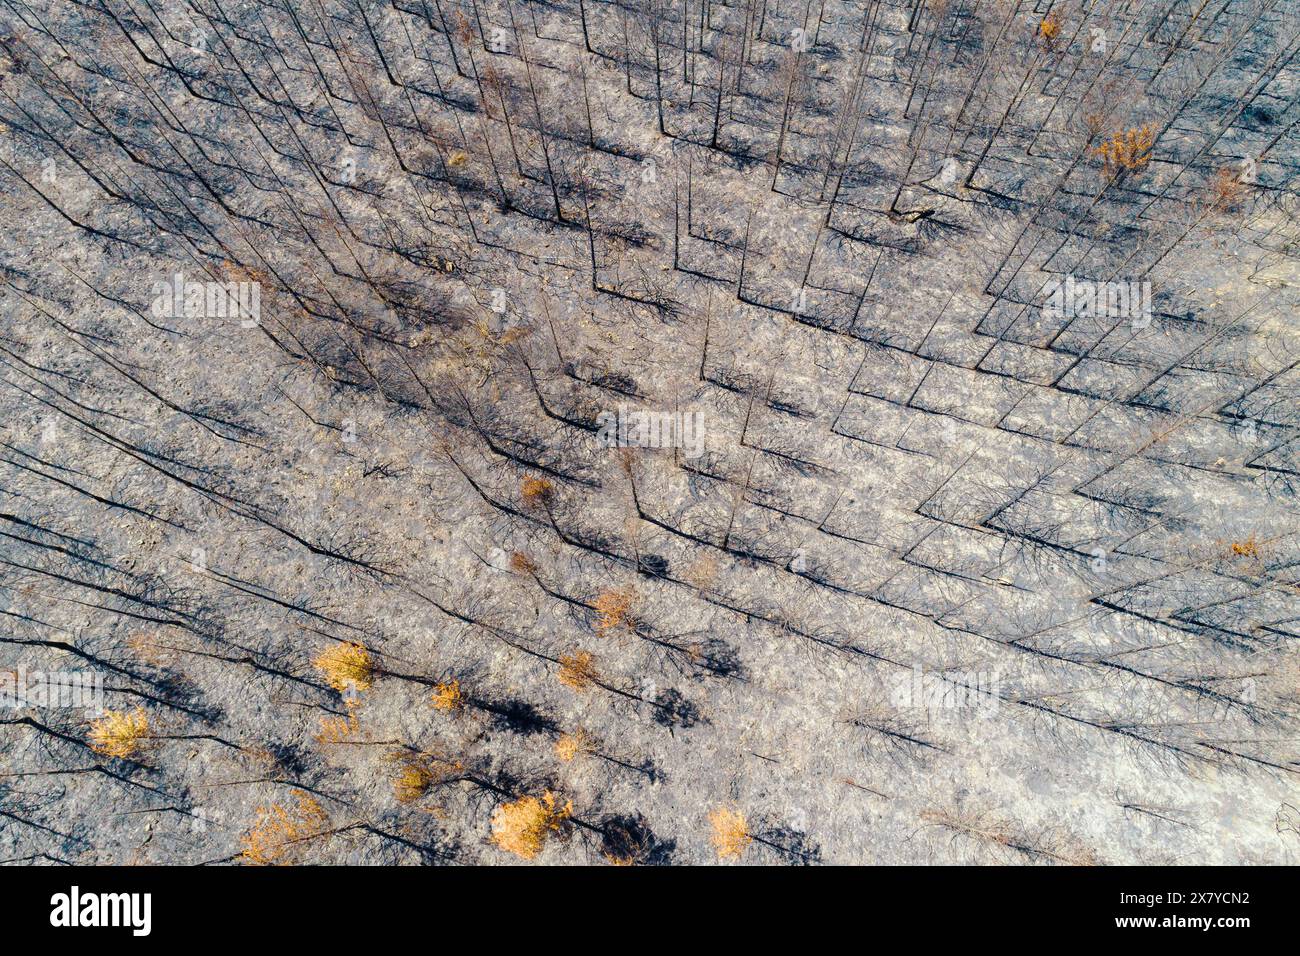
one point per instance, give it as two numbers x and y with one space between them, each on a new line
640 431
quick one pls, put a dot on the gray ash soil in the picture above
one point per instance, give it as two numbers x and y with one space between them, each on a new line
919 568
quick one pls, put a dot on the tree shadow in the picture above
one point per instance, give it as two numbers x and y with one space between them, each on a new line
628 840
